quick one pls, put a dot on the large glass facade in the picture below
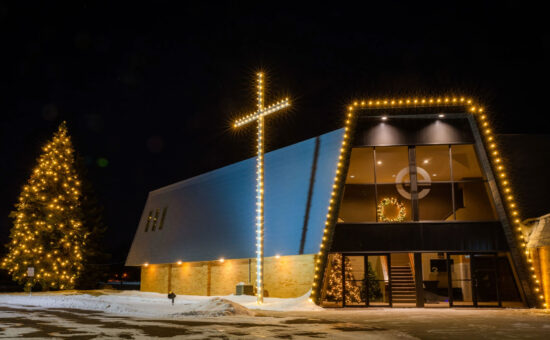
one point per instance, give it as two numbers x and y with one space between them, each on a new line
450 185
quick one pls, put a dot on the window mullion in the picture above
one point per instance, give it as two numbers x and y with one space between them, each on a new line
414 183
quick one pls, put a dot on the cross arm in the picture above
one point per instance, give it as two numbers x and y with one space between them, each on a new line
264 112
246 119
275 107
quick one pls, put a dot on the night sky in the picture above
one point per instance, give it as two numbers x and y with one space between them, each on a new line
149 91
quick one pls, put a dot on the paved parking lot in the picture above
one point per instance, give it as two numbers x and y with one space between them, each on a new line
37 322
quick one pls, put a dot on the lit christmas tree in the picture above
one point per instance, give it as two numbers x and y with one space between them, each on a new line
47 233
354 293
334 286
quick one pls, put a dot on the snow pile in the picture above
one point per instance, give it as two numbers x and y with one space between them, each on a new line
154 304
128 303
217 307
299 304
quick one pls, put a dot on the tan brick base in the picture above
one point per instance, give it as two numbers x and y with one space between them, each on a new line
287 276
542 269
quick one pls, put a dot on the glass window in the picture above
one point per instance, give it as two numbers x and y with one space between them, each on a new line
394 202
433 163
163 217
376 286
378 185
473 202
465 163
155 220
435 202
435 279
361 166
358 204
148 220
461 280
392 164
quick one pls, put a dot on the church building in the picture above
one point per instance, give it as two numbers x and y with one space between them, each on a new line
408 203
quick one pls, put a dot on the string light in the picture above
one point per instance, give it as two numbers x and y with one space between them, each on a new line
489 142
258 116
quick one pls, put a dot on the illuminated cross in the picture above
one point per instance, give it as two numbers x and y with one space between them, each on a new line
259 117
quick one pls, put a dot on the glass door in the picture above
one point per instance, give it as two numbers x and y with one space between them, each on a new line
366 280
460 275
377 289
474 280
485 279
354 277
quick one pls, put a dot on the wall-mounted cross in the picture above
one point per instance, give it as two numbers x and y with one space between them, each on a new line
259 117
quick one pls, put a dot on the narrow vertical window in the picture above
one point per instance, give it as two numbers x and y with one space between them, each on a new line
163 217
148 220
155 220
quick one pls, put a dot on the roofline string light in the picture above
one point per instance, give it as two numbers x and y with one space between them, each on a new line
259 117
501 179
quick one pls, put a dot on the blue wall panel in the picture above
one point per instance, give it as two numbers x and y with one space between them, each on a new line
213 215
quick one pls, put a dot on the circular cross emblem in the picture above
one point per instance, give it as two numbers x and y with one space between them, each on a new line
426 180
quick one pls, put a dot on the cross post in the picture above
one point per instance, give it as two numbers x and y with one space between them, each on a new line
258 116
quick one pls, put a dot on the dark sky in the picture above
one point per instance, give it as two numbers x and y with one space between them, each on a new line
153 88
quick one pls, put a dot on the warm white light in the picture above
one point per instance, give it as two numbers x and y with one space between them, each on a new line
384 118
258 116
352 176
277 256
179 262
221 260
426 161
379 162
146 264
441 115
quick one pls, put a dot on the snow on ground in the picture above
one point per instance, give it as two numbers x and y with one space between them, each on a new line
140 315
155 304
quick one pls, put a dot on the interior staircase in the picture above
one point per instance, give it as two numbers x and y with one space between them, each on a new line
403 289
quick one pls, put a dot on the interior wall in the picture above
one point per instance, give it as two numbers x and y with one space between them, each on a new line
429 274
477 205
286 276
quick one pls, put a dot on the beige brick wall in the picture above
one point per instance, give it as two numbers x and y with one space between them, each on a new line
189 278
226 275
542 262
287 276
154 278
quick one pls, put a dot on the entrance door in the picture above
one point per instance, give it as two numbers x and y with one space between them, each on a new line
485 280
366 280
473 280
460 275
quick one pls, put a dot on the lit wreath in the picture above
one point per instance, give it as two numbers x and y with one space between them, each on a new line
402 212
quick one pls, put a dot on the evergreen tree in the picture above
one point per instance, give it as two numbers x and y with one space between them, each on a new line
48 233
334 285
371 282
